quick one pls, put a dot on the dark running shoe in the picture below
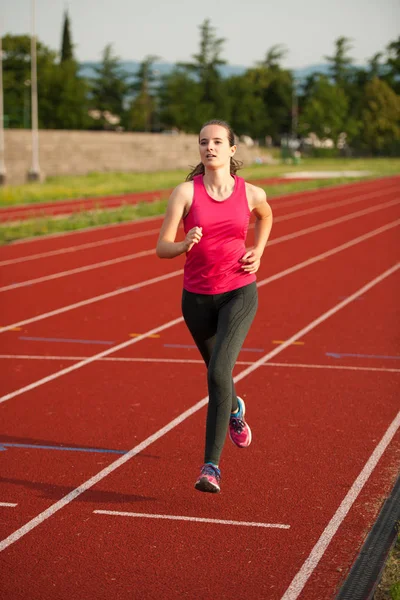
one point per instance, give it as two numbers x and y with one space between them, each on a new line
208 480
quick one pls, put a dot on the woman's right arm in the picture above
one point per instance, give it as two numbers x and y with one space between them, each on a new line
178 205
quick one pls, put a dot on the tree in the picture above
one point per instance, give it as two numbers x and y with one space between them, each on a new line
392 66
180 101
340 62
109 88
273 85
17 78
325 110
66 46
375 65
205 68
245 106
273 57
64 98
141 114
380 132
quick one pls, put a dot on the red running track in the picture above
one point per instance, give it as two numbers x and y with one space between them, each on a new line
65 207
320 405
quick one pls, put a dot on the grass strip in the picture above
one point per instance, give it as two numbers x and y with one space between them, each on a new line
43 225
389 585
104 184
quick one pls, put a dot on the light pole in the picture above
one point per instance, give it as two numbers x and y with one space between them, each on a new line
294 109
2 163
34 173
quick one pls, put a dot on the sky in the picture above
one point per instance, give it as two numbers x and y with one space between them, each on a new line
170 29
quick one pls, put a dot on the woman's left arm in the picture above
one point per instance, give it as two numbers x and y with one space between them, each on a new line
263 213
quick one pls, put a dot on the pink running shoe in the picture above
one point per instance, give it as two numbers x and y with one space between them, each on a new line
239 431
209 479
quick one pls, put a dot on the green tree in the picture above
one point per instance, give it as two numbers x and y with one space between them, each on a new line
380 132
66 46
17 78
273 84
205 69
180 102
141 115
64 95
274 57
64 98
392 65
325 110
340 61
245 106
109 88
375 65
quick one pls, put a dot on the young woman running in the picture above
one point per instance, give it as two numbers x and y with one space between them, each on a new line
219 298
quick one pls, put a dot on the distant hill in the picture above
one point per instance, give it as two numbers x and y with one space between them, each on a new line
131 68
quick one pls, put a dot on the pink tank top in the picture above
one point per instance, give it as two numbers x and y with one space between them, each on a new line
212 266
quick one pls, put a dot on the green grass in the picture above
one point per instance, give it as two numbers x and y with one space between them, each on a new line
103 184
389 586
44 225
82 220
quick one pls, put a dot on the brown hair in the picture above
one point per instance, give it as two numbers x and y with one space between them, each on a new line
235 165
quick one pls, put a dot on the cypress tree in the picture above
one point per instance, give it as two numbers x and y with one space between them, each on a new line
66 48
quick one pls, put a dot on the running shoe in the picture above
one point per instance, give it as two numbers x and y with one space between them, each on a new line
209 479
239 431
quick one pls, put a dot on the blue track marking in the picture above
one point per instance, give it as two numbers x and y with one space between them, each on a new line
193 346
4 446
67 341
340 354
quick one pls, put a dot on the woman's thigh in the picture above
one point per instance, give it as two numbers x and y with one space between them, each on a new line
235 316
201 318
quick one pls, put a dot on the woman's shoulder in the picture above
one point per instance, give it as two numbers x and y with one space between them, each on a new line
255 194
183 190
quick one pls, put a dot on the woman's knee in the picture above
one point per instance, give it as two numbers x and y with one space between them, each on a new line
219 375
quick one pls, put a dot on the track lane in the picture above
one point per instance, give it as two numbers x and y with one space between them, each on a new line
40 296
77 380
62 262
119 540
287 473
108 233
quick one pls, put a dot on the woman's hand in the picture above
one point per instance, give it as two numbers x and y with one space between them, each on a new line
193 237
251 260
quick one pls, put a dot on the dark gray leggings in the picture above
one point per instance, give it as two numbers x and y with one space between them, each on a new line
219 324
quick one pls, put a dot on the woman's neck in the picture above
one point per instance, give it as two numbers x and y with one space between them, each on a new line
218 179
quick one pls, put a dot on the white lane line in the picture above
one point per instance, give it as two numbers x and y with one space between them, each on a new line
116 513
323 207
297 267
180 271
127 343
59 311
8 504
91 267
131 236
279 240
326 224
309 566
43 516
89 360
194 361
68 249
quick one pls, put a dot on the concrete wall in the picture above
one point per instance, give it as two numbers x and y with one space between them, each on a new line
79 152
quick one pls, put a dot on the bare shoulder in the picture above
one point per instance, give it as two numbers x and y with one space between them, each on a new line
183 191
256 196
180 200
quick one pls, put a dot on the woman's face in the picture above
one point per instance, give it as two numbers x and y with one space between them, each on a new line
215 150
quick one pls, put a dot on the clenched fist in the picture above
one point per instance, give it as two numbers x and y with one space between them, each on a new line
193 237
